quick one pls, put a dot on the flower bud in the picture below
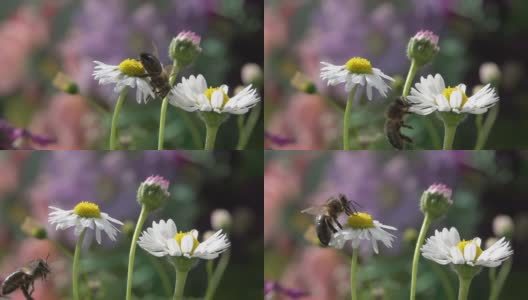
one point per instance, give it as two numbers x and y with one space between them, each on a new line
251 73
207 234
303 84
489 72
65 84
153 192
503 226
410 235
489 242
423 47
436 200
185 47
31 228
221 219
128 228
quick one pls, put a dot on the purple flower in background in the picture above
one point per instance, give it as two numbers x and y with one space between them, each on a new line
272 287
379 32
388 186
278 140
110 179
123 32
15 138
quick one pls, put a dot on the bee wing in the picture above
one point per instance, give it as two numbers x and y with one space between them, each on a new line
167 69
314 210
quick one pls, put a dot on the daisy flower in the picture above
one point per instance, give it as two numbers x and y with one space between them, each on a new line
431 94
85 215
163 239
356 71
361 226
129 72
192 94
445 247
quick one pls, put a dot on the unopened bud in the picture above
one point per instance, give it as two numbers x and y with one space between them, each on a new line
128 228
185 47
489 242
221 219
34 229
65 84
423 47
436 200
153 192
251 73
489 72
410 235
207 234
503 226
303 84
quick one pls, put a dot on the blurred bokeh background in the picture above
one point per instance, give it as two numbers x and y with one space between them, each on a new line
300 34
200 182
41 38
388 185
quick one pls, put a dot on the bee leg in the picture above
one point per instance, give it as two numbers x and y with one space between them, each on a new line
406 138
24 289
331 226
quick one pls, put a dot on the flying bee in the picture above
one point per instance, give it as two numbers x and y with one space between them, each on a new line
24 278
159 78
395 114
327 214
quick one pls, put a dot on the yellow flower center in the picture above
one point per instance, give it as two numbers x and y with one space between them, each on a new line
449 90
360 221
180 235
87 210
462 245
359 65
132 67
209 93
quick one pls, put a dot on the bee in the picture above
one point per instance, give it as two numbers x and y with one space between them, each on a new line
158 76
24 278
327 214
395 114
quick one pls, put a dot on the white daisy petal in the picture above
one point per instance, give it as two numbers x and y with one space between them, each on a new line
445 247
64 219
162 239
109 74
356 235
335 75
430 95
192 95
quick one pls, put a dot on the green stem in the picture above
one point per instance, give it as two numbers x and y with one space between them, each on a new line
346 122
332 103
113 129
165 282
75 271
484 131
209 268
410 76
181 277
190 124
142 217
497 286
449 135
62 249
163 112
210 136
416 256
463 290
444 279
246 131
217 275
353 269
